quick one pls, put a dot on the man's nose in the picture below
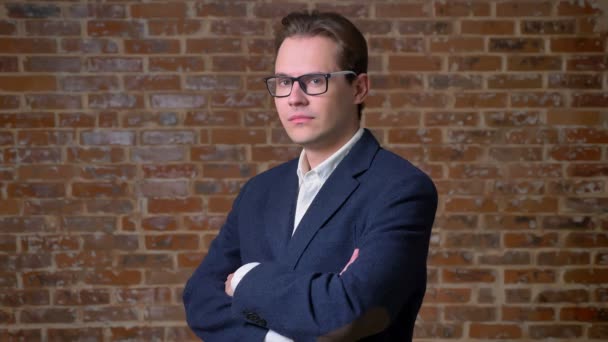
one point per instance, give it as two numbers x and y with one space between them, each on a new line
297 96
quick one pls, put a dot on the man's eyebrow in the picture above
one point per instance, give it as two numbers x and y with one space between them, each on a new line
308 73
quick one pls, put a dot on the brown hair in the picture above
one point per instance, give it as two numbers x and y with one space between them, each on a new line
352 47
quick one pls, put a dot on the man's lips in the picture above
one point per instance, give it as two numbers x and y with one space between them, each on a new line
298 118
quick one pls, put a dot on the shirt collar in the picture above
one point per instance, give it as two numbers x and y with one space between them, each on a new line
324 170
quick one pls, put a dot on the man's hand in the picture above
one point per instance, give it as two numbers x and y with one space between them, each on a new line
352 259
228 285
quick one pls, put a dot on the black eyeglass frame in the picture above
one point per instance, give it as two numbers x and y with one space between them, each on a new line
298 79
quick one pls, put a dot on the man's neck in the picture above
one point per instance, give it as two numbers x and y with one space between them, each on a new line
316 156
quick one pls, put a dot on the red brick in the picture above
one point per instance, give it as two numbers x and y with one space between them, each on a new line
398 10
89 45
27 83
143 295
419 100
192 204
112 277
587 100
520 45
437 330
462 8
7 27
59 335
209 45
20 298
562 296
50 279
467 275
469 313
524 8
103 242
28 45
568 8
172 242
424 27
481 100
577 45
519 81
109 314
114 64
39 190
44 138
575 81
238 27
52 28
173 27
115 28
48 315
548 27
576 153
488 27
534 63
145 333
165 313
178 63
170 171
152 46
159 10
189 260
451 119
507 258
529 276
156 82
219 9
562 331
53 101
450 258
9 102
116 11
412 136
385 44
415 63
457 44
586 240
9 64
587 63
495 331
586 136
81 297
461 153
529 240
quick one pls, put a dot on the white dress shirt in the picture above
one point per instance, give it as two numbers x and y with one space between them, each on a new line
310 182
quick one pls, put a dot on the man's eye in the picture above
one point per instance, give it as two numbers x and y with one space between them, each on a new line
316 81
283 82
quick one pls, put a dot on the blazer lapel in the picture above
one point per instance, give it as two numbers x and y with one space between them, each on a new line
281 210
336 190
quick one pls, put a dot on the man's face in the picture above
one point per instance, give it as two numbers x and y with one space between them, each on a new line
320 122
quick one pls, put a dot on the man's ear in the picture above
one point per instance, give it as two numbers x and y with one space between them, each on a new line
361 88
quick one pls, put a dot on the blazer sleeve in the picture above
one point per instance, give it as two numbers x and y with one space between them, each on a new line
208 307
390 270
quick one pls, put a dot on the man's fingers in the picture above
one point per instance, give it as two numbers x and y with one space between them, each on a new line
228 285
352 259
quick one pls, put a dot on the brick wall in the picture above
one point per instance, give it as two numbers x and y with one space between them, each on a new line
127 128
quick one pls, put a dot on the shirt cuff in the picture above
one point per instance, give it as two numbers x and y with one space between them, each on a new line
273 336
240 273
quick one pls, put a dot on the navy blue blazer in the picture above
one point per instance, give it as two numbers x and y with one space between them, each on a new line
374 201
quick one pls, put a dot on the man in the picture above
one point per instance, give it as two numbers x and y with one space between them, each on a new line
329 246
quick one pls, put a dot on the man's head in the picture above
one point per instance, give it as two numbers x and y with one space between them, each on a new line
325 109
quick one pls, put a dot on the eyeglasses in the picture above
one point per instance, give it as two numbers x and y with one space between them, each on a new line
311 84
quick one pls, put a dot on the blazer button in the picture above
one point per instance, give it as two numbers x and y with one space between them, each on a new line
262 323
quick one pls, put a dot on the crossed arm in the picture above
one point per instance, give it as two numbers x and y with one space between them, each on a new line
376 284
